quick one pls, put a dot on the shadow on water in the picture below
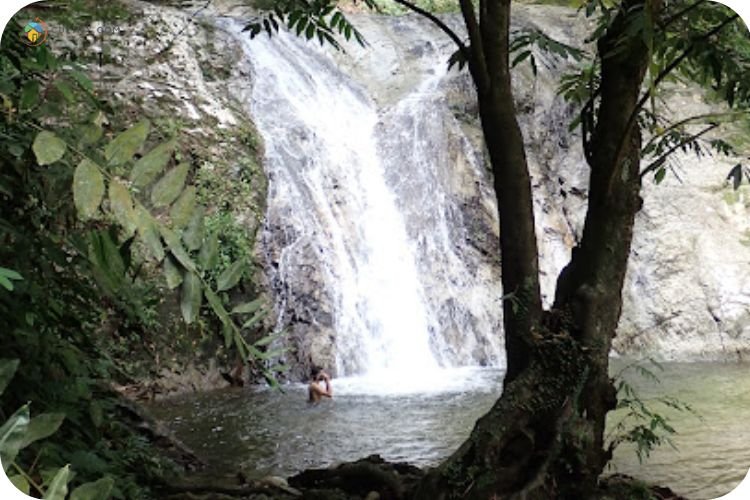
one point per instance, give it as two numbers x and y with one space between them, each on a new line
269 432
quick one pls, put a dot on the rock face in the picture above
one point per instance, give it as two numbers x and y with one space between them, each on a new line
189 81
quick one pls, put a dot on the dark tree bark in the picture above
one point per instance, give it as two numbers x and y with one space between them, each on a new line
545 436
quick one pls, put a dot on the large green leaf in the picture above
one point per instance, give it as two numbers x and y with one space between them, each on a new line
192 296
193 235
48 148
175 246
215 302
209 254
173 272
248 307
149 233
231 276
7 276
8 368
20 483
88 188
29 95
108 265
169 187
182 210
97 490
122 206
88 133
42 426
151 165
122 148
12 435
58 488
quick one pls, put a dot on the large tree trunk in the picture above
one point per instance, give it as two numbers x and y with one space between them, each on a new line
544 437
589 292
522 310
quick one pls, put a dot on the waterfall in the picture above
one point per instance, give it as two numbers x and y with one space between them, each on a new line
367 221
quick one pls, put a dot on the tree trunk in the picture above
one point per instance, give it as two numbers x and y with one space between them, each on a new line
522 311
544 437
589 293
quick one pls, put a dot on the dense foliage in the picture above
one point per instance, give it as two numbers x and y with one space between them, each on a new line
100 220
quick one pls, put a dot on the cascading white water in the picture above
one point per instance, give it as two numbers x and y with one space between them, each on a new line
363 230
381 317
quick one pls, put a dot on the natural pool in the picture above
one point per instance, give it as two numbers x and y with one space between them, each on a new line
279 433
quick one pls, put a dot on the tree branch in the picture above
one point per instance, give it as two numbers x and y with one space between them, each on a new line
665 72
678 15
437 22
477 63
678 60
659 161
680 123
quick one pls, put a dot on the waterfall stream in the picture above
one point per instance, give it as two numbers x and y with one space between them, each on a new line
365 231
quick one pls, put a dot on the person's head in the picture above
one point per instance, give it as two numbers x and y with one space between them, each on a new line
316 371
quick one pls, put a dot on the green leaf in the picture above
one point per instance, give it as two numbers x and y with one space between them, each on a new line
149 233
29 95
96 413
20 483
58 488
255 319
264 341
12 435
193 235
231 276
88 133
169 187
88 188
122 206
48 148
192 296
82 80
215 302
182 210
41 427
8 368
151 165
122 148
6 283
228 332
107 263
97 490
209 254
660 175
64 88
248 307
175 246
173 272
7 276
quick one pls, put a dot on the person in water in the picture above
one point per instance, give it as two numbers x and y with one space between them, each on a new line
320 387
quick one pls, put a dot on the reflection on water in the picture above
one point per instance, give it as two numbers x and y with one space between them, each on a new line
278 433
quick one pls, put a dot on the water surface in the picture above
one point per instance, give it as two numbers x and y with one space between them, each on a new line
279 433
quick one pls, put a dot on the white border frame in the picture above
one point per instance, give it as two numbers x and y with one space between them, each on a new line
10 7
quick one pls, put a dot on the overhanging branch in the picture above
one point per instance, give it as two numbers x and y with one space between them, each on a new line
664 73
659 161
437 22
679 60
678 15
